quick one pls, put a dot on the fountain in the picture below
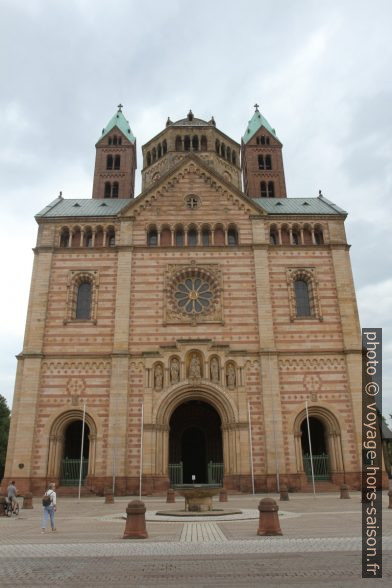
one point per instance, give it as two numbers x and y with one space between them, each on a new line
198 501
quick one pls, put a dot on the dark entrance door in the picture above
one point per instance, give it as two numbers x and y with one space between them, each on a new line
70 464
320 459
195 444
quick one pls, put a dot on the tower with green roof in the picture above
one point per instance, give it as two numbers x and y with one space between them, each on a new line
261 159
115 160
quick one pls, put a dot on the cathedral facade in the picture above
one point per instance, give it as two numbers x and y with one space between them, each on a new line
190 326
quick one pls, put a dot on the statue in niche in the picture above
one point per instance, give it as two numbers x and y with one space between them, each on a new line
194 367
175 371
158 377
214 370
230 376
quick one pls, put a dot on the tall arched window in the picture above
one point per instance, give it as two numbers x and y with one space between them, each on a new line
261 161
88 238
232 236
206 236
217 146
117 160
318 236
114 140
108 190
233 158
228 154
154 155
263 189
115 190
192 237
178 144
187 143
268 162
64 238
148 158
164 147
109 162
274 239
223 150
195 143
262 140
119 140
159 151
203 143
83 301
271 189
302 299
152 237
111 237
179 237
296 237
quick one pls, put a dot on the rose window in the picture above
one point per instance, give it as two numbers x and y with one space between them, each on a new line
193 295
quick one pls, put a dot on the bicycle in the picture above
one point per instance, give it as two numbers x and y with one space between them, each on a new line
11 507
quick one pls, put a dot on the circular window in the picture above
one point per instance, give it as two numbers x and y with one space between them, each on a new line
193 295
192 201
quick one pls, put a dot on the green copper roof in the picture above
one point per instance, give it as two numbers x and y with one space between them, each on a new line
80 207
256 122
301 206
119 121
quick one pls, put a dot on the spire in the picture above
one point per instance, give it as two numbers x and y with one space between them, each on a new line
118 120
256 122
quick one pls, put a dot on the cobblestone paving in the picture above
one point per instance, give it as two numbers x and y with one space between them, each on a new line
202 533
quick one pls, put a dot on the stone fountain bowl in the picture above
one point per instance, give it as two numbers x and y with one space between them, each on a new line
198 497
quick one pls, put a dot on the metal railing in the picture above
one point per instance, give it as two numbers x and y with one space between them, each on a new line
215 473
320 466
176 473
70 470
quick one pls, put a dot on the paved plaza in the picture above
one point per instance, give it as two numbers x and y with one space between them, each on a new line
320 545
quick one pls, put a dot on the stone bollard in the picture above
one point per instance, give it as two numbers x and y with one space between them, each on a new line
344 491
284 493
2 506
269 520
135 527
109 498
28 500
223 495
390 499
170 496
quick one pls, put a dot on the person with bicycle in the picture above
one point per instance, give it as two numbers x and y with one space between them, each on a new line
11 494
49 504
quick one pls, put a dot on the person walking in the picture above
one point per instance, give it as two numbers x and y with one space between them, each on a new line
11 494
49 504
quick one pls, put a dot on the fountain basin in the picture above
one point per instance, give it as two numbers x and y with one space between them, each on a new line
198 497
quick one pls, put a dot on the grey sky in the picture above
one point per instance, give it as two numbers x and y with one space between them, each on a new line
319 70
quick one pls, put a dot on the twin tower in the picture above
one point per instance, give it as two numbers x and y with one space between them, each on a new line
255 167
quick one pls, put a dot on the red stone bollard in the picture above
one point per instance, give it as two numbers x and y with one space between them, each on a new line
344 491
269 519
223 495
2 506
390 499
109 498
170 496
284 493
28 500
135 527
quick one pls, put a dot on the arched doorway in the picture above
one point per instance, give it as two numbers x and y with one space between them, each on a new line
71 462
318 444
195 444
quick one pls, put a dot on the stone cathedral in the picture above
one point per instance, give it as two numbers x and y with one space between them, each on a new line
190 324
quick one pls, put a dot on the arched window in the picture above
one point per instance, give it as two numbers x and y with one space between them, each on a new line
109 162
154 155
232 236
192 237
261 161
115 190
262 140
296 237
206 236
223 150
83 301
117 160
111 237
217 146
268 162
64 238
178 144
115 140
271 189
164 147
318 236
195 143
233 158
88 238
119 140
203 143
274 239
267 142
257 140
302 300
152 237
108 190
110 141
148 158
159 150
228 154
187 143
179 237
263 189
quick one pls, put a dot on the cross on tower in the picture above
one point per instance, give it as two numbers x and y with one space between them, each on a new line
256 106
119 106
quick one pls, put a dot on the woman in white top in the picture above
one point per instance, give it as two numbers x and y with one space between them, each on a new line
49 504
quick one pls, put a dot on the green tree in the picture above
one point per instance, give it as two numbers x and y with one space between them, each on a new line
5 414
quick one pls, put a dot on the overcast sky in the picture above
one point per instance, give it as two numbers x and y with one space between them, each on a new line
321 72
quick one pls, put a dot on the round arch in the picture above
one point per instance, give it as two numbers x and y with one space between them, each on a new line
332 436
57 437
